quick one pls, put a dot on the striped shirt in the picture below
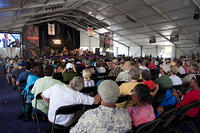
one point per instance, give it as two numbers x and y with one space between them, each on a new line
89 83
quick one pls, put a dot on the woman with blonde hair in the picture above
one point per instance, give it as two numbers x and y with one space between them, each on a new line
86 76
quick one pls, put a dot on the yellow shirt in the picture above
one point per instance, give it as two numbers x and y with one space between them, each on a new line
125 89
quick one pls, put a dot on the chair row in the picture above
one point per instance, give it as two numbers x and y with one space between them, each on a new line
168 121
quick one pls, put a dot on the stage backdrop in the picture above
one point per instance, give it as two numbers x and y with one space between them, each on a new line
31 40
65 36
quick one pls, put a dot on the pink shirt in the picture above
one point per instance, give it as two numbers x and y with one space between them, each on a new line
141 114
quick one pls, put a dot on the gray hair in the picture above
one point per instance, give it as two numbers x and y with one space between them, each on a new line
77 83
134 73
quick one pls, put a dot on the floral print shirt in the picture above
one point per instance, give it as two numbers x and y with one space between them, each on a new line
103 120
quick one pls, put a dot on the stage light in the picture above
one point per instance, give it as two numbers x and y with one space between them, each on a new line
57 41
196 14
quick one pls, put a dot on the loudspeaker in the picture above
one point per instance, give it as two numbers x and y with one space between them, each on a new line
58 28
97 52
43 36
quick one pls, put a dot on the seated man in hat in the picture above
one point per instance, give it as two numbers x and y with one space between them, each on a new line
107 117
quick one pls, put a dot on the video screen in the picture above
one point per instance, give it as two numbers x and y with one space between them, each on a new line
10 40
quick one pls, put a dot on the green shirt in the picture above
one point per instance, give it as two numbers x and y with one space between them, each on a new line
164 83
41 85
67 76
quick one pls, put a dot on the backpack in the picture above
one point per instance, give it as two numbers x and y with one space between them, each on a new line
27 109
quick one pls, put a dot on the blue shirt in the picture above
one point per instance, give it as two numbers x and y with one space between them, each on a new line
23 77
30 81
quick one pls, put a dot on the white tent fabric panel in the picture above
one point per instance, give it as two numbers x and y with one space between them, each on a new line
135 51
149 50
84 41
121 50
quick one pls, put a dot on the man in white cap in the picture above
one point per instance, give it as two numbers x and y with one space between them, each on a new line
107 117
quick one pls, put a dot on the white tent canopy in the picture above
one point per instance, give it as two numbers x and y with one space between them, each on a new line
133 22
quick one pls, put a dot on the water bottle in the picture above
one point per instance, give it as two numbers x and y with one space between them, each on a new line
28 99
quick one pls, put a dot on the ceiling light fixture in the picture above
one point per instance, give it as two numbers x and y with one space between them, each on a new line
131 19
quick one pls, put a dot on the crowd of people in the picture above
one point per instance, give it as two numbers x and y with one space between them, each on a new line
154 84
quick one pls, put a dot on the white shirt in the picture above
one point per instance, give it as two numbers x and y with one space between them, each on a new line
182 70
143 68
69 65
61 95
101 70
175 80
123 76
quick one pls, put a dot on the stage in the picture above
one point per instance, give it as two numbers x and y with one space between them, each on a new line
10 52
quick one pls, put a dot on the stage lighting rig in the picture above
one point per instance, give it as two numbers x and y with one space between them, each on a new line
53 7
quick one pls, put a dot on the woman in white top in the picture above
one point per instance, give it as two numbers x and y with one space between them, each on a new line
86 76
100 68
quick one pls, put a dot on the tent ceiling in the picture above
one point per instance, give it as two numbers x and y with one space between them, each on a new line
131 21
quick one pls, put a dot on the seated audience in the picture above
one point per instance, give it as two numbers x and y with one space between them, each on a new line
17 72
38 73
115 69
152 65
146 76
100 68
58 69
175 79
107 117
86 76
124 75
190 96
143 111
60 95
68 73
181 69
125 88
9 66
164 83
88 65
142 66
41 85
70 65
24 75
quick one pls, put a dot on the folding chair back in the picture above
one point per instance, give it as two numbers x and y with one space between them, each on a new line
123 98
149 127
38 96
120 82
64 110
89 90
177 118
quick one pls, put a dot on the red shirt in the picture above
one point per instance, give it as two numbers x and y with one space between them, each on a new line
189 98
150 84
152 66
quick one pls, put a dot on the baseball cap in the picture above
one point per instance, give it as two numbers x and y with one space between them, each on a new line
108 90
21 63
